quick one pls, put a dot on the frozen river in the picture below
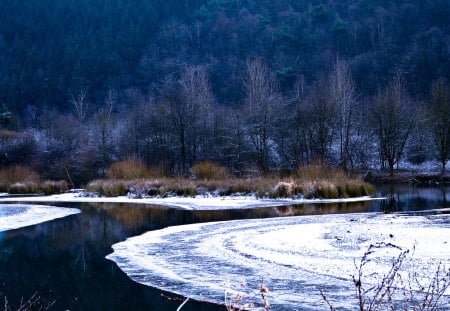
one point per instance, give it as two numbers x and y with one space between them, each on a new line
57 248
295 257
13 216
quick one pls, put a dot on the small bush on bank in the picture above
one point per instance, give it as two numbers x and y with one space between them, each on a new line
24 188
108 187
19 180
318 172
22 180
15 174
129 169
320 183
208 171
55 187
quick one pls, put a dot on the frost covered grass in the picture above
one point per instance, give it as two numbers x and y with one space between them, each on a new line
397 289
35 302
22 180
211 179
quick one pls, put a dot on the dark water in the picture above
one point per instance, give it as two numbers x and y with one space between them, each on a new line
63 261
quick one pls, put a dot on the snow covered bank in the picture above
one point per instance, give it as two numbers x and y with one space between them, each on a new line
295 257
189 203
17 216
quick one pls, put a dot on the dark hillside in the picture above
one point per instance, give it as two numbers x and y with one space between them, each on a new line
252 85
51 49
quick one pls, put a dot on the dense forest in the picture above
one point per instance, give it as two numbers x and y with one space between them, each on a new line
252 85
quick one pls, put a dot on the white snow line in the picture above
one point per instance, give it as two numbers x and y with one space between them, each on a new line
188 203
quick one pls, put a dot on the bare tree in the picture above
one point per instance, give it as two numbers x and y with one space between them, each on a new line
319 120
103 125
229 140
342 93
80 104
392 119
189 104
261 102
145 131
439 120
198 99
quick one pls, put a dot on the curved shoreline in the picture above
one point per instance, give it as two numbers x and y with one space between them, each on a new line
18 216
188 203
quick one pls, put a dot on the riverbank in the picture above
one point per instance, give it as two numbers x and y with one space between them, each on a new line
199 202
208 179
132 178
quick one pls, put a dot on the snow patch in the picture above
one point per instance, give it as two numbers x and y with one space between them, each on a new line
295 257
14 216
189 203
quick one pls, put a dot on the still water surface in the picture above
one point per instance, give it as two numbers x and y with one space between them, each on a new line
64 260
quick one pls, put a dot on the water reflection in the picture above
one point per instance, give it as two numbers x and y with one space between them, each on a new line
64 260
413 198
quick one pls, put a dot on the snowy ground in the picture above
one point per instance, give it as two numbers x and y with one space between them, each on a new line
189 203
295 257
17 216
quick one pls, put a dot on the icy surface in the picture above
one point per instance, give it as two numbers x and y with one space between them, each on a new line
189 203
17 216
295 257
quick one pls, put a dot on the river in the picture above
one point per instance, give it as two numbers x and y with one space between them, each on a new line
63 260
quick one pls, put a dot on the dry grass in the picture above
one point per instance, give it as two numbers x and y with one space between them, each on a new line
244 298
108 187
210 171
22 180
328 182
53 187
18 180
139 188
397 289
129 169
309 182
15 174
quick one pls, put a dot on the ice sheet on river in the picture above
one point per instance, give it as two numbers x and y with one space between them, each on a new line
295 257
14 216
189 203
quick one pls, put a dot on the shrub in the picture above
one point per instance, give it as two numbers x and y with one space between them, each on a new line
109 188
15 174
318 172
326 189
189 191
129 169
397 288
55 187
208 170
19 180
284 189
24 188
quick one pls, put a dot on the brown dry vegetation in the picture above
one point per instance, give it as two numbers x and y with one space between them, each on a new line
22 180
308 182
210 171
129 169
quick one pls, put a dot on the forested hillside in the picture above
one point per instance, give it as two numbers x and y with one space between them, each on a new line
261 85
